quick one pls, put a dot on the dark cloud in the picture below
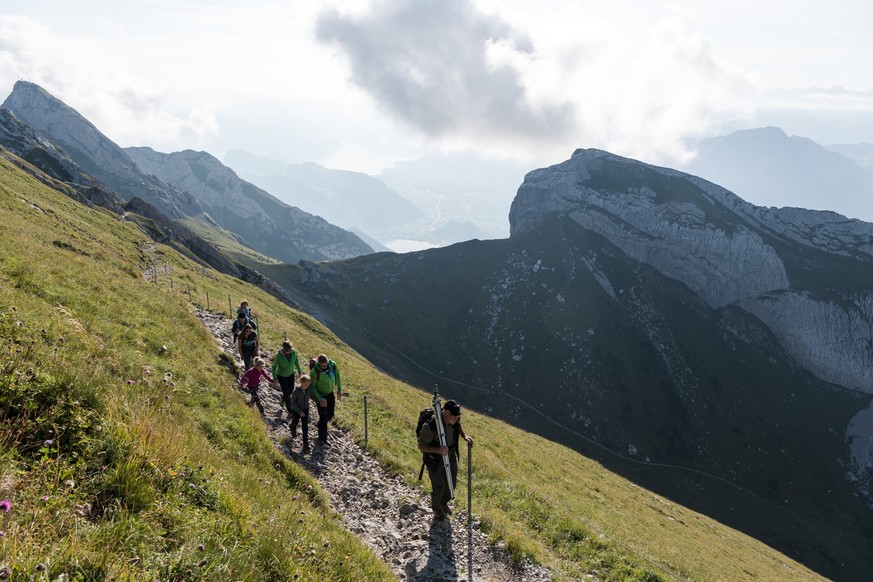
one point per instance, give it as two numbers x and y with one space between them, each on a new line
425 62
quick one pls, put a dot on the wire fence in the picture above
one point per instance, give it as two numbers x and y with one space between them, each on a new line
158 272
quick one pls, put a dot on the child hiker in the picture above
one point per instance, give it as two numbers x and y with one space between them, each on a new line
252 379
300 410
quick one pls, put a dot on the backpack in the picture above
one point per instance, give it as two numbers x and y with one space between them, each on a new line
425 416
312 363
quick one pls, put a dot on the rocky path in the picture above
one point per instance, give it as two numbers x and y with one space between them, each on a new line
389 516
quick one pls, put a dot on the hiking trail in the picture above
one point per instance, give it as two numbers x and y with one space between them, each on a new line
391 517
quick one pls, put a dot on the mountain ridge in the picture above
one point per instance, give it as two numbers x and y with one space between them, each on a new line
604 295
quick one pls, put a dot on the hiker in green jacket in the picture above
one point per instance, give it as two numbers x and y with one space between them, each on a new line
285 362
325 379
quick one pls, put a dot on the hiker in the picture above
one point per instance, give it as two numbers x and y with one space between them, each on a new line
325 378
248 345
284 363
251 380
299 409
244 309
239 324
429 445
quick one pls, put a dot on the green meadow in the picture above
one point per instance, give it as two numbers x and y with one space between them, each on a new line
127 453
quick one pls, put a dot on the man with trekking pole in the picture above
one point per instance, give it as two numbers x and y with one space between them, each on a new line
441 454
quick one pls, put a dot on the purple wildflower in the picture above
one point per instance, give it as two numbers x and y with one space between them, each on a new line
48 443
5 505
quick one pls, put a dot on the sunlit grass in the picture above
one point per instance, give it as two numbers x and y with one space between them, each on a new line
172 474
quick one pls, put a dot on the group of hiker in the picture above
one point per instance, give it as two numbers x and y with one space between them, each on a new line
323 383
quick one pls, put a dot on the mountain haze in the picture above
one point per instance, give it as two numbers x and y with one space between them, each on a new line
660 316
266 224
260 220
350 199
768 168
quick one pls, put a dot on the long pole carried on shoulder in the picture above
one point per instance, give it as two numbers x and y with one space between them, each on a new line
441 429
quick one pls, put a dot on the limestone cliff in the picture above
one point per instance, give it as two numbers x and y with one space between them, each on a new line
805 274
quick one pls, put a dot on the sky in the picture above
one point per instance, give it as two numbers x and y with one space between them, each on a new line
361 85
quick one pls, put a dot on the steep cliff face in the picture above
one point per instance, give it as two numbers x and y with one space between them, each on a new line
727 251
805 274
94 152
23 141
264 222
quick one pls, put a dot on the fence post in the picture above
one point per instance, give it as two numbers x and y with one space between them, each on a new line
366 433
470 512
207 300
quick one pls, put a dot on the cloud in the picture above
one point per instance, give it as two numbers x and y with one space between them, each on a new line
572 78
132 108
444 68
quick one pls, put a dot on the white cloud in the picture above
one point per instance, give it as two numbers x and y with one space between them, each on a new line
496 76
131 107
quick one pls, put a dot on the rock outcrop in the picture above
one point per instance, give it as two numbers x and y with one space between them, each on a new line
263 222
805 274
95 153
726 250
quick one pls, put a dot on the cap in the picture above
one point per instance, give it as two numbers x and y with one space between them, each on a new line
286 346
453 407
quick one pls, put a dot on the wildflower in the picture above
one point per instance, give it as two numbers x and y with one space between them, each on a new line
44 498
2 533
129 382
70 483
48 443
5 505
102 468
201 547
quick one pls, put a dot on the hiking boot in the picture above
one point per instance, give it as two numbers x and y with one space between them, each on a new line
305 449
324 443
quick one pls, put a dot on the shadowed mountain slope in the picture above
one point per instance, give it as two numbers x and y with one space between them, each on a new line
646 311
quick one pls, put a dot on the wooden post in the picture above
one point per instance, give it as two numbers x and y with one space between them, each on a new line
470 512
366 434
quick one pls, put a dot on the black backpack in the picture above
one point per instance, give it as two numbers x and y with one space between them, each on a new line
425 416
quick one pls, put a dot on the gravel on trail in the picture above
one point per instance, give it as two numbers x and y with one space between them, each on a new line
391 517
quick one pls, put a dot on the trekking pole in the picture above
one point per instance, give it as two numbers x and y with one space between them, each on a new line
441 429
469 512
366 435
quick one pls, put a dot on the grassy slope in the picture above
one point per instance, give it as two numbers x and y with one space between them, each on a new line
746 413
77 275
155 467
